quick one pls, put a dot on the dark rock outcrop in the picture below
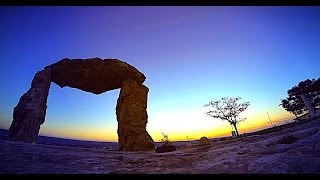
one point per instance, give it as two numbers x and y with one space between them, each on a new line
93 75
165 148
203 141
30 112
132 117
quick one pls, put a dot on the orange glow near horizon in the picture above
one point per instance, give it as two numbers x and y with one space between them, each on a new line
179 125
174 127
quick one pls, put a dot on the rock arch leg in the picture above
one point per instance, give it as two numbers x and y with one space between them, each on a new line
30 112
132 118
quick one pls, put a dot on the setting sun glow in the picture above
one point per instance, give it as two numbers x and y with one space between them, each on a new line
189 55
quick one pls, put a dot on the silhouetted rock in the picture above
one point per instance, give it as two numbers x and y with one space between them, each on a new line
165 148
93 75
30 112
132 117
203 141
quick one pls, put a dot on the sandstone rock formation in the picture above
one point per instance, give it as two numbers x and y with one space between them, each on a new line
132 117
93 75
30 112
203 141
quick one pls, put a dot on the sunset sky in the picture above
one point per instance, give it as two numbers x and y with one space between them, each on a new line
189 55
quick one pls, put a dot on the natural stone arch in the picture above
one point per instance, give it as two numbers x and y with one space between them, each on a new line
93 75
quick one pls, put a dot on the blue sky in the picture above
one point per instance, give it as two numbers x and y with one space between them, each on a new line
189 55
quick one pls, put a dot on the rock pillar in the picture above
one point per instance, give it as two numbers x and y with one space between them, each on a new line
30 112
132 118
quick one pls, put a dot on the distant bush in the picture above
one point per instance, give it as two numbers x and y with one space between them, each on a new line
288 139
165 147
165 140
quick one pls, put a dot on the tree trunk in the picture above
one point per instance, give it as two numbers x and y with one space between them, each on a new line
235 127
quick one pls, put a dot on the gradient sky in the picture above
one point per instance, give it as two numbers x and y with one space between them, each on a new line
189 55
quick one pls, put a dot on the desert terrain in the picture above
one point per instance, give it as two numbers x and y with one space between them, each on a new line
291 150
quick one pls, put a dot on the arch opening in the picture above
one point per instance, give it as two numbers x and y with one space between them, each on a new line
80 115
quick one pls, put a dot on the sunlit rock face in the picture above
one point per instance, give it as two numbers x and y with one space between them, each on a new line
132 117
30 112
93 75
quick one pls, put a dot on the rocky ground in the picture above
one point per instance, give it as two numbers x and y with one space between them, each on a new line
291 150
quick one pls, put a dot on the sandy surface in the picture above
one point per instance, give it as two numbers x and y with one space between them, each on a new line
253 154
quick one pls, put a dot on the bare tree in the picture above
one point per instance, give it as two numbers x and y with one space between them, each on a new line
227 109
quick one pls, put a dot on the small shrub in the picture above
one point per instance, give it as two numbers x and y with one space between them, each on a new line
165 140
165 147
287 139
